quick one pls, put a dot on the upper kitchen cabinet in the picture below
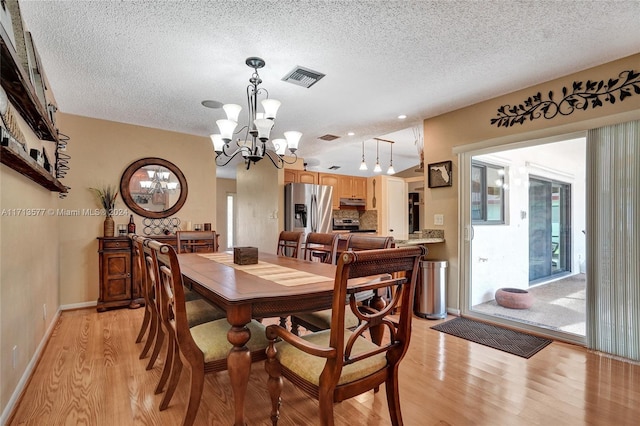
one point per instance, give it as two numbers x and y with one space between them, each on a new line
333 181
300 176
352 187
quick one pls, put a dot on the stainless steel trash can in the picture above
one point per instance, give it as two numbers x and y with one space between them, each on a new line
431 292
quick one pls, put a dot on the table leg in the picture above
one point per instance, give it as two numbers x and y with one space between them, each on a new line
239 360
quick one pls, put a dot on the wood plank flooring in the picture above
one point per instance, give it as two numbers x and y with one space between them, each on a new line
90 374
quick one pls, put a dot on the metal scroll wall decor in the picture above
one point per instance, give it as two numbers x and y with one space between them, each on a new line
62 160
593 93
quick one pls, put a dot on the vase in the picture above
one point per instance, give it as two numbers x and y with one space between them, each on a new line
109 226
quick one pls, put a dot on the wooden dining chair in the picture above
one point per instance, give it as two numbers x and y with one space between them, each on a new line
336 364
321 247
149 322
198 311
321 320
289 243
202 348
197 241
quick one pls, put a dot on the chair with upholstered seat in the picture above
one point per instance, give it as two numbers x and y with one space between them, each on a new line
196 241
289 243
202 348
336 364
321 320
198 311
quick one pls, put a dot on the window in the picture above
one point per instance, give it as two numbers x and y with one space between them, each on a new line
487 193
231 202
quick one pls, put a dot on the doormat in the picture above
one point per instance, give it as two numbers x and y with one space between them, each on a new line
513 342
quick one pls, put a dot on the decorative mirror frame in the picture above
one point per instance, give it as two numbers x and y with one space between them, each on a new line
128 199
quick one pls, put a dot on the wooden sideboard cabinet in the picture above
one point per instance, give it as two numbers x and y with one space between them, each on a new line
120 285
120 277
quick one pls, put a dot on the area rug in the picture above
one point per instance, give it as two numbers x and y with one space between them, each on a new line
513 342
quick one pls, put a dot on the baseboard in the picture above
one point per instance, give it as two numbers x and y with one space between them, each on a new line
452 311
17 392
80 305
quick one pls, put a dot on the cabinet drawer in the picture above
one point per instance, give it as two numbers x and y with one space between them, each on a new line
118 245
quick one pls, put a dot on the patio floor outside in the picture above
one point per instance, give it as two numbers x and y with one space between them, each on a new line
558 305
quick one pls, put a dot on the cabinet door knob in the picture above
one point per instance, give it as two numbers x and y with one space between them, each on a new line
128 274
117 244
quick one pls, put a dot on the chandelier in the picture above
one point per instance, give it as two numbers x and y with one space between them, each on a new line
159 182
255 144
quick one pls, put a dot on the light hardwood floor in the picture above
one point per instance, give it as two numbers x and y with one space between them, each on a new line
90 374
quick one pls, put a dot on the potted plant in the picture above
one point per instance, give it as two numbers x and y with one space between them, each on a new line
106 197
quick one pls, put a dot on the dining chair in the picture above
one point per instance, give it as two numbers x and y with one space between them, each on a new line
321 320
289 243
336 364
197 241
202 348
198 311
321 247
149 322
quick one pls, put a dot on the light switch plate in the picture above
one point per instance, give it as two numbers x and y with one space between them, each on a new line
438 219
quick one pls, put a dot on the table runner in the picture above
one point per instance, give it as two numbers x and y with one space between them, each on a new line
276 273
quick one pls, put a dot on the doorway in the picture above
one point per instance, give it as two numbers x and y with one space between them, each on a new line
525 208
549 228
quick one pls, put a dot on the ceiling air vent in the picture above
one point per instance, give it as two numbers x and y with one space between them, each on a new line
303 76
328 137
334 167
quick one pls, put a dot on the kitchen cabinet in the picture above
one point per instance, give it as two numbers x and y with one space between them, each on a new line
352 187
333 181
300 176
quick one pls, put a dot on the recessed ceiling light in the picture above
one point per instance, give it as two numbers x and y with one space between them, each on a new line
350 134
402 117
211 104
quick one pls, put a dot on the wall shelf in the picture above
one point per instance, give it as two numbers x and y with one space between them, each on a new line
29 168
16 83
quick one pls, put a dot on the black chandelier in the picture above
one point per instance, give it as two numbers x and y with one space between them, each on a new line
256 144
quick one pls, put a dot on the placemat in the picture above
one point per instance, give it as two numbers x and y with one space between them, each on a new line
276 273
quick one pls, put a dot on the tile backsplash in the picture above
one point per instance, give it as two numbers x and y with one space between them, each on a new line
368 218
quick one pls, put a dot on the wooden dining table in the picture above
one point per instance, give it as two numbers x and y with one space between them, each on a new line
277 286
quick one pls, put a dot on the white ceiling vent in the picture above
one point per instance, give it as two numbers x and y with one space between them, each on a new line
303 76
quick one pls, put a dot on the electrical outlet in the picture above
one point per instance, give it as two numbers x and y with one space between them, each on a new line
14 357
438 219
44 311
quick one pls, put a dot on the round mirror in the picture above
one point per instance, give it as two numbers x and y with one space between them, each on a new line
153 187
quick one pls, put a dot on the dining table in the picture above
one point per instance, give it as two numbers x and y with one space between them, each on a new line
276 286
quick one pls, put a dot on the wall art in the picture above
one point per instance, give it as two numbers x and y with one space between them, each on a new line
579 97
440 174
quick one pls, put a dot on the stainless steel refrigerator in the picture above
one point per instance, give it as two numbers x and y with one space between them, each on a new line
308 207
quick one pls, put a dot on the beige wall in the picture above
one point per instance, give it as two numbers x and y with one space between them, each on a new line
100 152
471 125
260 205
29 268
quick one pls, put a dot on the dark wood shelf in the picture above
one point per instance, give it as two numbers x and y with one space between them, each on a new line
21 93
31 169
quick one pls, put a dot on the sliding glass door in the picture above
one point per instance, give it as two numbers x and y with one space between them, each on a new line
524 210
549 228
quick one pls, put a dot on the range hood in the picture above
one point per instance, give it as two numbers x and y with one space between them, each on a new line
353 202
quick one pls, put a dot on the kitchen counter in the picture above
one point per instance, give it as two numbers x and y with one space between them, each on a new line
418 241
399 243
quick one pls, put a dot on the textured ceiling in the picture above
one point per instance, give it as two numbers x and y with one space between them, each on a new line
151 63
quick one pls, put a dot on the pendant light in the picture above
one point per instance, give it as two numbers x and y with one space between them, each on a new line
363 165
377 168
390 170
